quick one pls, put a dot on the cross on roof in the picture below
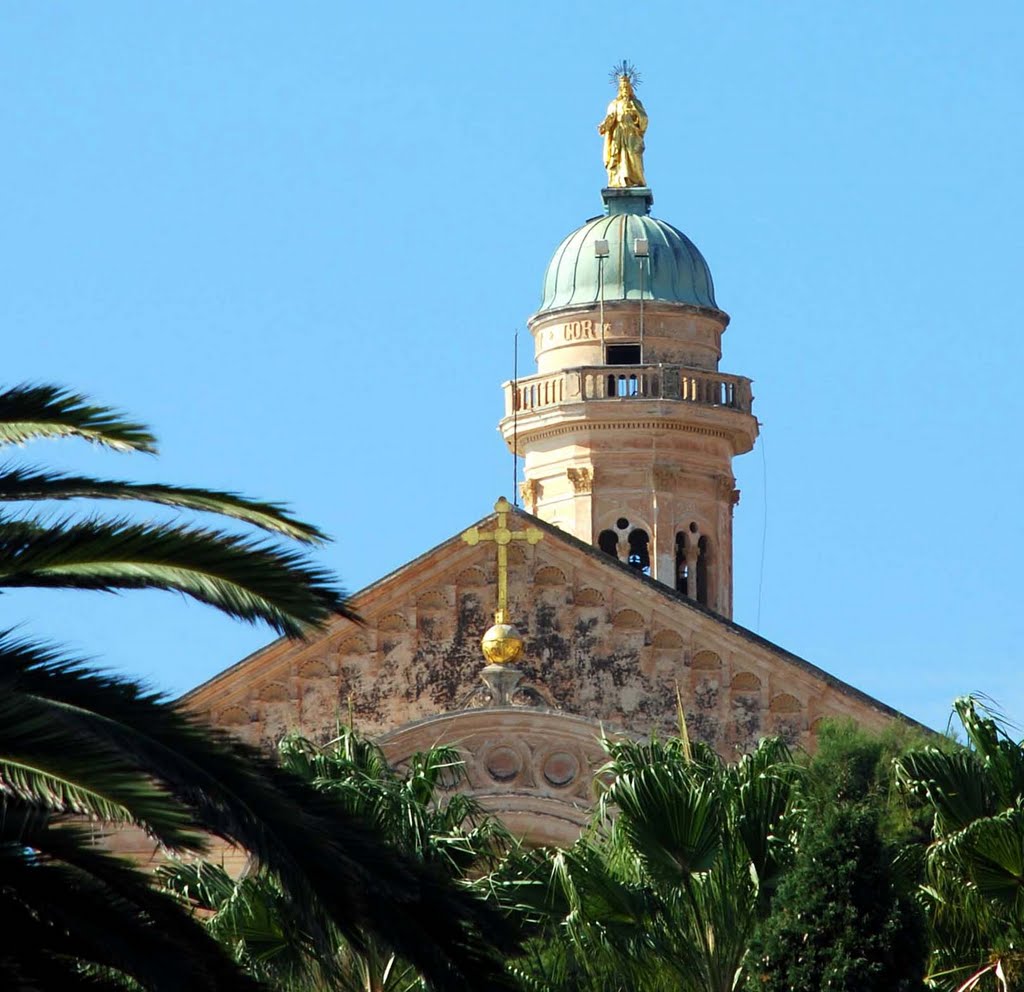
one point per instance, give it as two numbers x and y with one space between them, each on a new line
502 536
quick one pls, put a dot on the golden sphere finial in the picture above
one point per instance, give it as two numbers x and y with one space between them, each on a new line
502 644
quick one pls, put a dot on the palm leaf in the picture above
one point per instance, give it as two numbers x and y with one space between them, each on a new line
246 579
953 783
63 896
20 484
28 412
336 870
46 762
1002 758
673 824
253 916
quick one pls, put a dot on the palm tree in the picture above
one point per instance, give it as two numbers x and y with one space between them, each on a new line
415 809
974 894
244 577
678 866
75 743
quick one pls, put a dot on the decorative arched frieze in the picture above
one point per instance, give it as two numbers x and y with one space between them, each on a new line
665 657
549 576
233 716
432 601
706 661
354 647
434 616
745 682
273 692
471 578
392 623
667 640
516 554
315 668
787 718
784 703
628 620
589 597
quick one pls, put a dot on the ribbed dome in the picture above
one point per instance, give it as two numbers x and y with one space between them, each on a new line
676 270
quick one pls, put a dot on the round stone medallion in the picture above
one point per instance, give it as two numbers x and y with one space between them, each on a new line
561 768
503 763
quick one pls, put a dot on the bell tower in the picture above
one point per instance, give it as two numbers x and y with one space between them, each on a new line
628 429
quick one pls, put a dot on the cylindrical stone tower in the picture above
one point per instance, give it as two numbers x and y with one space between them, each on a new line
628 429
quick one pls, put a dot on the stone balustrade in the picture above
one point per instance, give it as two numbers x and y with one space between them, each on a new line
628 382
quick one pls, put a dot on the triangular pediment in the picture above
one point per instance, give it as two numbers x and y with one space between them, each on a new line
602 642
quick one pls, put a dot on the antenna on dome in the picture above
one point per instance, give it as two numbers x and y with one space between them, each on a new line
642 250
601 253
515 419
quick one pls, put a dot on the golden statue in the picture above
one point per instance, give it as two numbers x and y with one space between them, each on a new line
623 128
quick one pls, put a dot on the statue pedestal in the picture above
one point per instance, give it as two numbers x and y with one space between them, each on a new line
501 680
627 199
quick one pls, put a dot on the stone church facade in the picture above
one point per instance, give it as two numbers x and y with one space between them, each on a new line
622 598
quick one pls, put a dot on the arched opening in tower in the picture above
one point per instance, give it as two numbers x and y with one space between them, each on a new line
639 554
703 566
608 542
682 565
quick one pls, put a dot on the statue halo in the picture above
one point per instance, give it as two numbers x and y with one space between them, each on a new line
627 69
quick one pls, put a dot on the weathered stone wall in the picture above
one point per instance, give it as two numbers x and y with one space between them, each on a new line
601 644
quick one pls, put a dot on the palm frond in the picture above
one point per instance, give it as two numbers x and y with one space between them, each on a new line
64 896
247 579
21 484
335 869
1001 757
952 783
672 823
251 915
29 412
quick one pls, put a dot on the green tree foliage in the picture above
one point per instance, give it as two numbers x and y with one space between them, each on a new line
79 749
854 765
840 921
844 916
974 891
415 810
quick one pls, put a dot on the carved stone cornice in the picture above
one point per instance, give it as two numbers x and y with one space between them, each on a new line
581 479
633 426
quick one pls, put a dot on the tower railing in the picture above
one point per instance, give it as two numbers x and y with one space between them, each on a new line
607 383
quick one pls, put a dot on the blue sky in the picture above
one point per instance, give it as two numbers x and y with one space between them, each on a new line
297 240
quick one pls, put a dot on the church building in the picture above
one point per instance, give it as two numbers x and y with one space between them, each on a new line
604 604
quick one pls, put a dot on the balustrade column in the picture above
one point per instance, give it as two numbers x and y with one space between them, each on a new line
628 382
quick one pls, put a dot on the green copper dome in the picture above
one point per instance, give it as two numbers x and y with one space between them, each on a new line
675 270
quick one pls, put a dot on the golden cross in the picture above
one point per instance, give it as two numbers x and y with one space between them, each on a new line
502 537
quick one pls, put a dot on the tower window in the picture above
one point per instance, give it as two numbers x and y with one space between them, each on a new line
608 542
682 565
622 354
703 563
639 554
